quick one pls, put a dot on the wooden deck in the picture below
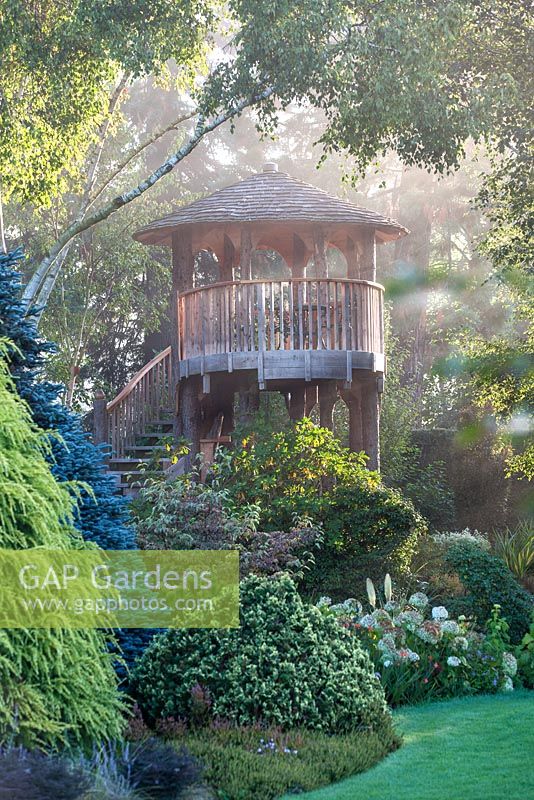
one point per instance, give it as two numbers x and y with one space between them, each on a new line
276 316
294 330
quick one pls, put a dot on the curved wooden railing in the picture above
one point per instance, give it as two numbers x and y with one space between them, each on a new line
139 403
300 314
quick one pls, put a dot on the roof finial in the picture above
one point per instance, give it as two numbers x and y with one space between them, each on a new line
270 166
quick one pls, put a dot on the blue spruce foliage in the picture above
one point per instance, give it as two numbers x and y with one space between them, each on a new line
103 515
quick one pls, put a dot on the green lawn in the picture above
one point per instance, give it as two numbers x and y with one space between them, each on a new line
479 748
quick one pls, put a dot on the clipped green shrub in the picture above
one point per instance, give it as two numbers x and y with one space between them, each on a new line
58 685
487 581
287 665
304 472
263 764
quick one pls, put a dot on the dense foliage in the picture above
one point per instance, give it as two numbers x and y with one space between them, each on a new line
184 514
57 685
102 515
60 61
286 665
303 472
488 581
421 653
525 657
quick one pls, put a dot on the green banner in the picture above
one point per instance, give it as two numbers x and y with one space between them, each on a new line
119 588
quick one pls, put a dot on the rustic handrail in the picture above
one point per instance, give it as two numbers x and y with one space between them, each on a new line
292 314
137 377
140 402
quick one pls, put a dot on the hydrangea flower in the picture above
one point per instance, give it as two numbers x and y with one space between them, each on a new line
509 664
409 619
418 600
387 642
508 684
413 656
382 617
453 661
368 621
439 613
324 601
429 632
391 606
450 626
460 643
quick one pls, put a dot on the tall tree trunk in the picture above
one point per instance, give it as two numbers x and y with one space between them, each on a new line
412 258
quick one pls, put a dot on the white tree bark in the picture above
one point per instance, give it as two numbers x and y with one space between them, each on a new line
31 293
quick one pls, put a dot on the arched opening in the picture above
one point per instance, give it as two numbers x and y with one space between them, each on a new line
268 264
336 264
206 268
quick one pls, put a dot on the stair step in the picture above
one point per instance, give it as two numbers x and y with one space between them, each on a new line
143 448
152 435
123 464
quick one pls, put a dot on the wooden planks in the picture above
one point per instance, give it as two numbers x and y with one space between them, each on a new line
297 314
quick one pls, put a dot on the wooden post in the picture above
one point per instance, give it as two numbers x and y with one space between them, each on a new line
311 400
299 257
353 261
100 419
296 403
319 253
245 262
368 255
327 401
226 272
353 400
371 423
190 417
182 280
249 403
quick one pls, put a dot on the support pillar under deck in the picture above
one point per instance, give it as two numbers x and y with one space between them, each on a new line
296 403
352 398
327 401
371 423
191 416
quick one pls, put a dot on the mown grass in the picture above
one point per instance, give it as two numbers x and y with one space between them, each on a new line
478 748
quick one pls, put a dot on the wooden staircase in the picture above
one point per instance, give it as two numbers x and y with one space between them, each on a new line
137 423
127 468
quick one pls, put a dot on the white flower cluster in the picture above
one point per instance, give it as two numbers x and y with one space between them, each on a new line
410 619
418 600
448 538
509 664
454 661
460 643
450 626
439 613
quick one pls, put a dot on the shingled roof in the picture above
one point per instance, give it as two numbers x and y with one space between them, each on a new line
269 196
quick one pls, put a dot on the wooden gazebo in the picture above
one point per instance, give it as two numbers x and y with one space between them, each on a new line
311 334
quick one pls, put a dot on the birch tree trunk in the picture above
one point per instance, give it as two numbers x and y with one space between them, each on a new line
31 294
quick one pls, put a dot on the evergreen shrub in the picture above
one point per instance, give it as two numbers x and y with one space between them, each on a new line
58 685
487 581
286 665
